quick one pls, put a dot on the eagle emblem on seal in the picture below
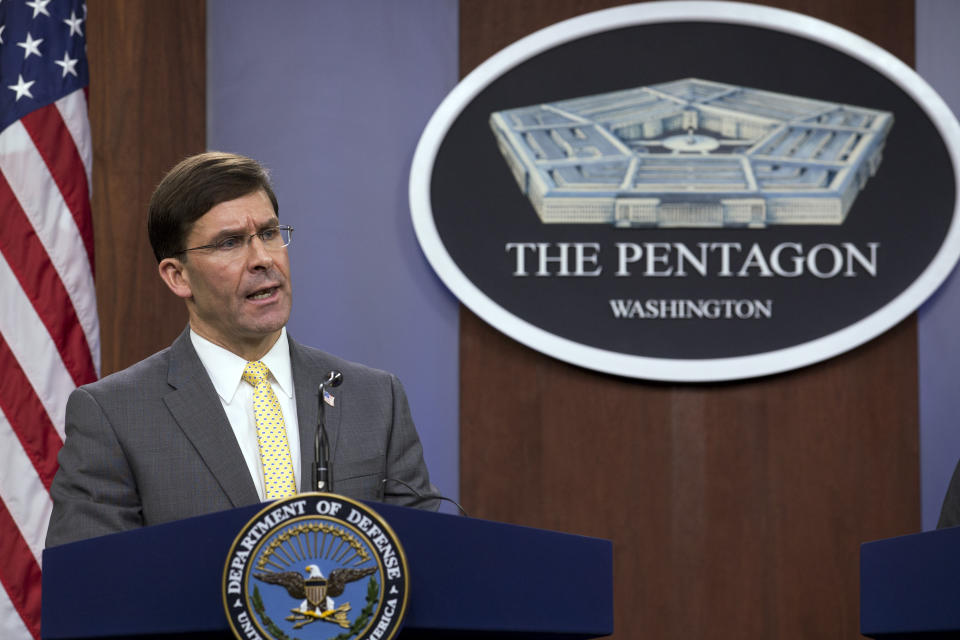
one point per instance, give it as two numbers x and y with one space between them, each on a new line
316 592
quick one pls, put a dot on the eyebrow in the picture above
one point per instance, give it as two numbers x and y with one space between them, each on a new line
229 233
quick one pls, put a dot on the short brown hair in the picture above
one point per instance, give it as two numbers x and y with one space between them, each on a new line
192 188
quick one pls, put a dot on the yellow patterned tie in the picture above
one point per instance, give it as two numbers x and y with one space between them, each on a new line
278 478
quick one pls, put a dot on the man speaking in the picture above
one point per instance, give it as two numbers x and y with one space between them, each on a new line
226 415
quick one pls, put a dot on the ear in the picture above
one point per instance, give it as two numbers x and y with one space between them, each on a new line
173 273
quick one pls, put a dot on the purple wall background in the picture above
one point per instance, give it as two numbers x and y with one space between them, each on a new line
332 98
938 333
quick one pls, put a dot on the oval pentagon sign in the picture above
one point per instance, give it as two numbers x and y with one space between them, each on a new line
690 191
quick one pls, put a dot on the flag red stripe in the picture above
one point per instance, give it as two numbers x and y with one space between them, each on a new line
31 265
56 146
19 573
27 416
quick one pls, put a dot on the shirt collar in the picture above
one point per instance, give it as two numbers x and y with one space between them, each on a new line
225 368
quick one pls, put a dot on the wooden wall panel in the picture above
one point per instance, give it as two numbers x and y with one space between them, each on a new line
736 509
147 112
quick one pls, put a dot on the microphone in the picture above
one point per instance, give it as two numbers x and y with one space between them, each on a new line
420 497
322 480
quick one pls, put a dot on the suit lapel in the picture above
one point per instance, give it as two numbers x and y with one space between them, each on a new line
308 373
196 407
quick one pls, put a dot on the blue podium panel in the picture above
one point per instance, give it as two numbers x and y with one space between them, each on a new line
478 575
467 578
156 580
910 586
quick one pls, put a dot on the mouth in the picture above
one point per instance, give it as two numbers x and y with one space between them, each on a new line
262 294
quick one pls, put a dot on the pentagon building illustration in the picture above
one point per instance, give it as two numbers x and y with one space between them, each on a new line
692 153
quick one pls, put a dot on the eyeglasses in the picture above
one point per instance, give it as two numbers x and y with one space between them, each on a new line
272 238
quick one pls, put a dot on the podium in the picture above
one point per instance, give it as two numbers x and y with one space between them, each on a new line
468 578
910 586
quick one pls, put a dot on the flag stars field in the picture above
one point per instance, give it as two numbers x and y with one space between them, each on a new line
31 46
69 65
39 6
22 88
74 23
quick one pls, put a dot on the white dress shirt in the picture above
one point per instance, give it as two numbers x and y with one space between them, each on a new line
226 372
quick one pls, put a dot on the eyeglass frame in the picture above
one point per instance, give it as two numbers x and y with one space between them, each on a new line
247 239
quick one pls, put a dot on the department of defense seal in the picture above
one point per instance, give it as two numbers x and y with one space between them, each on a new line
315 565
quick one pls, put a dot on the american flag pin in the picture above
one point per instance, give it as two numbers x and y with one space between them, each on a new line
329 399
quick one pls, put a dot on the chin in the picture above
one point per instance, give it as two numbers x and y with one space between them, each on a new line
266 325
268 328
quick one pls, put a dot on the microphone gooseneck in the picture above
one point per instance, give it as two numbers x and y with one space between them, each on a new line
322 475
420 497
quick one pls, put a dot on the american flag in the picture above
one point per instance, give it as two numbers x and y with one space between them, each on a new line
49 332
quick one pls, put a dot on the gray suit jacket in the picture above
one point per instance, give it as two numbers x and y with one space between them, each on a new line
152 443
950 509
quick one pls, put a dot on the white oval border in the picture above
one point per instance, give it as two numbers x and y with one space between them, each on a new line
665 369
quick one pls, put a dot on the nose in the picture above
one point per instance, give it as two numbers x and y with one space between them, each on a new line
258 256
